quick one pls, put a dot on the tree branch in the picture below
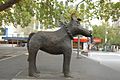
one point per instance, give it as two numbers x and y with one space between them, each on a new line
8 4
78 4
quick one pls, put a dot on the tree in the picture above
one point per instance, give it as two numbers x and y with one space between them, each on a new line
46 11
99 31
49 12
8 4
112 35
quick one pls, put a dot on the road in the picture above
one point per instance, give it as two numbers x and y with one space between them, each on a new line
50 66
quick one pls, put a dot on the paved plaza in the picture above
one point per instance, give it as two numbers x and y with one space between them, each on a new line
50 66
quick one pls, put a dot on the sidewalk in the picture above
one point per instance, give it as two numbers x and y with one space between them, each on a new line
6 52
50 67
109 59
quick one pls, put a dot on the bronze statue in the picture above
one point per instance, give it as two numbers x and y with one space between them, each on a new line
57 42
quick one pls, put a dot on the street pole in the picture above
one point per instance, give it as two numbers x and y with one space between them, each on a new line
84 43
78 50
106 33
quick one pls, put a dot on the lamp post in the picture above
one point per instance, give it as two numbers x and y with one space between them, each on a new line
78 49
106 33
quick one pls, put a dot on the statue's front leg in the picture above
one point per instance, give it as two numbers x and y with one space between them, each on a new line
66 63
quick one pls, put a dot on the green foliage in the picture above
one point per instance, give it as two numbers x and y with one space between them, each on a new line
49 12
99 31
113 35
2 31
101 9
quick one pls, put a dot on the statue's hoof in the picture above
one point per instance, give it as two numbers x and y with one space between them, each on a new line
37 71
68 76
36 75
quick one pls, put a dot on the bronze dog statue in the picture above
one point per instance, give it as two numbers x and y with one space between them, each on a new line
57 42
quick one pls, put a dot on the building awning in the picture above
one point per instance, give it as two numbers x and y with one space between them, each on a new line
82 39
97 40
15 38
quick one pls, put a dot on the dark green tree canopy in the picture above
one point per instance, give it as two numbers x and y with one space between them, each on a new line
49 12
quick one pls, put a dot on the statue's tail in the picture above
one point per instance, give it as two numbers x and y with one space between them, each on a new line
30 35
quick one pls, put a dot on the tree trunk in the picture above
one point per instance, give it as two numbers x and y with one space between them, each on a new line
8 4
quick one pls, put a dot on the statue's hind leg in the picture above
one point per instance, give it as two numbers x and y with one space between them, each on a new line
33 49
36 70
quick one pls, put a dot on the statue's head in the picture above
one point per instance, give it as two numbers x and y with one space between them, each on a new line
76 27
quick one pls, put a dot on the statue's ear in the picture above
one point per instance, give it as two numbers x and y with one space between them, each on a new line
79 19
73 17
